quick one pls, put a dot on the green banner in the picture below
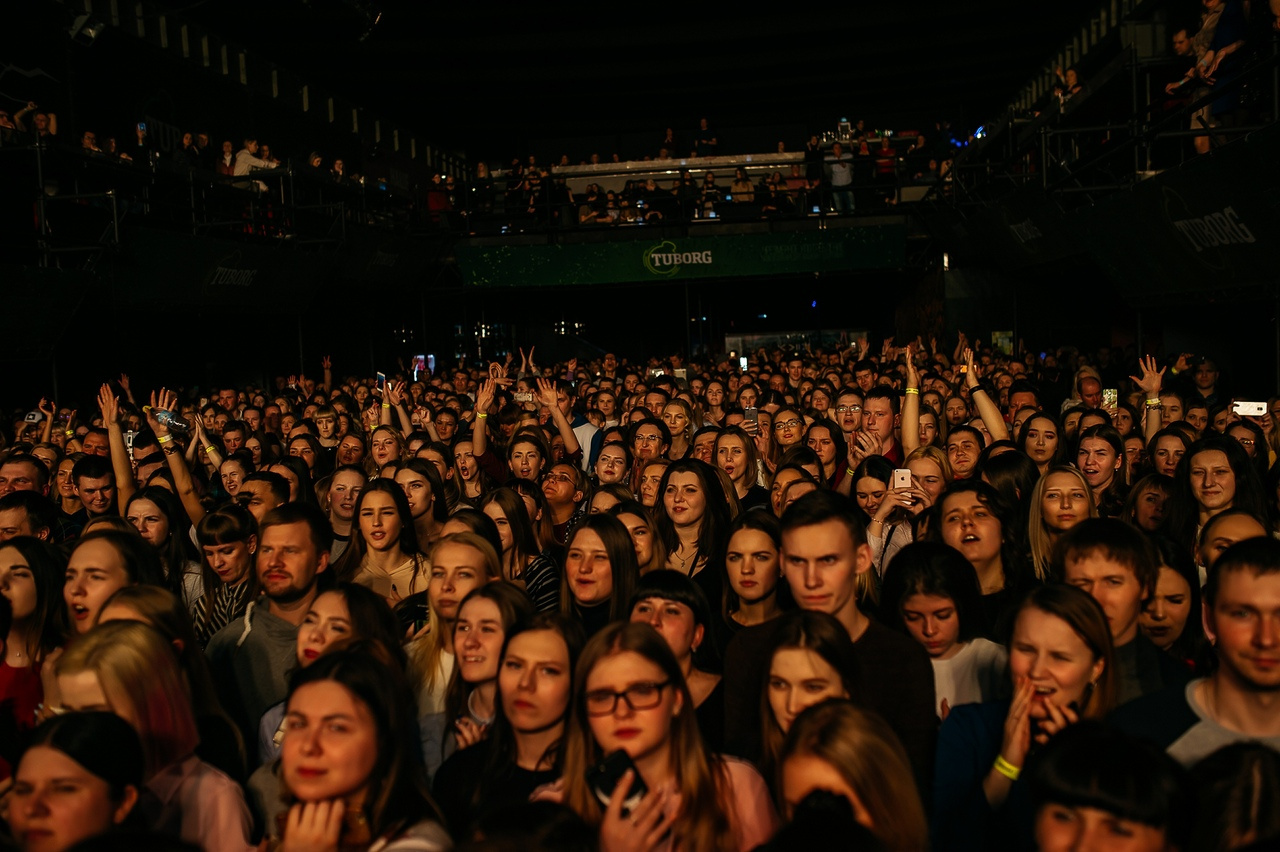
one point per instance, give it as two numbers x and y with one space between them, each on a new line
875 246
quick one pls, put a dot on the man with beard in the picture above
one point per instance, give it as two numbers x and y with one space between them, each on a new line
251 657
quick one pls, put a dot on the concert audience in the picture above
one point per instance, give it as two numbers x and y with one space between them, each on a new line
808 616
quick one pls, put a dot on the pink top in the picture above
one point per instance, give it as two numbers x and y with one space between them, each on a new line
754 819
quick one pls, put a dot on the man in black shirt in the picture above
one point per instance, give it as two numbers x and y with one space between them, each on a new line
824 551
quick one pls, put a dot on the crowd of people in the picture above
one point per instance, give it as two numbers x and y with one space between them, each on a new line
907 599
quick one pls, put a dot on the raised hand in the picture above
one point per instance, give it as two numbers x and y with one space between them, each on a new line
973 371
108 404
124 382
45 407
1151 377
913 375
484 395
326 363
546 393
395 393
863 447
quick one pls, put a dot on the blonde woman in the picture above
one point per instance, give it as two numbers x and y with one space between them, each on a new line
460 562
1060 500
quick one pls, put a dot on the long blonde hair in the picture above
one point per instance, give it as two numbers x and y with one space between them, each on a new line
1038 535
140 677
425 654
707 820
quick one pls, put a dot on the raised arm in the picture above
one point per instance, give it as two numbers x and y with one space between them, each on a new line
1152 415
911 405
48 409
982 401
547 396
177 464
480 432
125 484
327 366
395 396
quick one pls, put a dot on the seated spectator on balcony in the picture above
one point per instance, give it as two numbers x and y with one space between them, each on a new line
840 176
710 193
886 159
338 173
264 154
226 164
741 189
246 160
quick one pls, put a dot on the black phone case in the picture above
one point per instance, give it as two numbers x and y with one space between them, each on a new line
604 776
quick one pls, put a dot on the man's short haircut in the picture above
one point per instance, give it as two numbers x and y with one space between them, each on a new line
1258 556
865 364
42 472
42 514
1111 539
654 387
567 385
235 426
320 532
818 507
964 427
91 467
278 484
1025 386
883 392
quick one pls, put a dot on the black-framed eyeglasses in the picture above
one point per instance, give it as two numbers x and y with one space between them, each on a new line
786 424
639 696
848 409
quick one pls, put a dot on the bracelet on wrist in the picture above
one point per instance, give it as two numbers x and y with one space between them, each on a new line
70 433
209 449
386 405
915 391
850 471
481 414
1005 768
1153 402
164 439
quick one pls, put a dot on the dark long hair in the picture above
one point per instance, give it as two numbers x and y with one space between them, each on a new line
502 737
48 564
348 564
1182 515
397 786
178 550
715 517
622 565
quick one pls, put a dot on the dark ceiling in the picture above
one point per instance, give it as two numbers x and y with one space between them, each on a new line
494 79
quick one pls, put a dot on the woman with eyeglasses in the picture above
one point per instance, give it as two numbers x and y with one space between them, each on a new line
630 696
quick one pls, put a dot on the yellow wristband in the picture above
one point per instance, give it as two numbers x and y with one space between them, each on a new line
209 449
69 432
1153 402
386 405
1005 768
851 471
915 391
164 439
481 414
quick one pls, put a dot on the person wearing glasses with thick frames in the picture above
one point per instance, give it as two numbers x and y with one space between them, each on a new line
630 695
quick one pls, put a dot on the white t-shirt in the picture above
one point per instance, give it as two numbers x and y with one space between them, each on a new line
976 674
